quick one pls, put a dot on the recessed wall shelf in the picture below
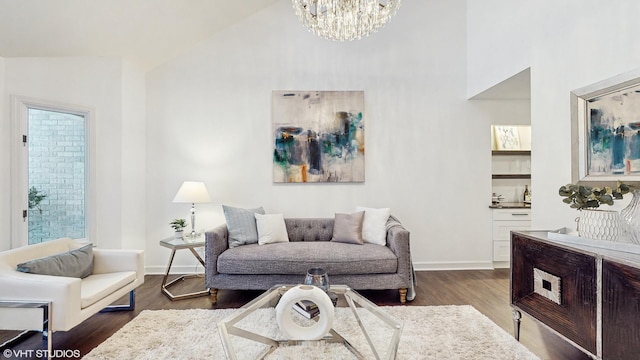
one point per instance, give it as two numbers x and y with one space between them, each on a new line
511 176
510 152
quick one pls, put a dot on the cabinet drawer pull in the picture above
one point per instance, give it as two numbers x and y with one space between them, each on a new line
519 214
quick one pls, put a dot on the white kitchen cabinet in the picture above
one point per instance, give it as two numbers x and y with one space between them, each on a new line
504 221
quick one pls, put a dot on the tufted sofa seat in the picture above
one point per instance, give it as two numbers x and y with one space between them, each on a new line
259 267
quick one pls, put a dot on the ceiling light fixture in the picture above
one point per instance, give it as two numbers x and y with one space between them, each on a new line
344 19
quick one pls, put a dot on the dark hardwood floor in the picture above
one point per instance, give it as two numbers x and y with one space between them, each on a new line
486 290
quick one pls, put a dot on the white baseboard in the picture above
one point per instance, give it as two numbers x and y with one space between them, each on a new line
175 269
455 265
501 264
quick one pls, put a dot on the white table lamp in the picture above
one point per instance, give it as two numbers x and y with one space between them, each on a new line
192 192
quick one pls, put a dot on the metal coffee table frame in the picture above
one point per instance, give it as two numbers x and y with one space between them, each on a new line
270 298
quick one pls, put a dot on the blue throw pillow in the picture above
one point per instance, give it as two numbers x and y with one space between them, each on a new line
77 263
241 224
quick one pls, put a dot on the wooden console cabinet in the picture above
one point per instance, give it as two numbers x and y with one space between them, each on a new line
588 295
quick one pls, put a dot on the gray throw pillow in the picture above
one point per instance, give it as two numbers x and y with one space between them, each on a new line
347 228
241 224
77 263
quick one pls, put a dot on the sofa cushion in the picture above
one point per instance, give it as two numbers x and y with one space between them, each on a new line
241 224
374 225
77 263
309 229
271 229
347 228
298 257
97 287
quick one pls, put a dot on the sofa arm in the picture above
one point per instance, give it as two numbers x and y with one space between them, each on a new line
398 241
216 242
62 292
116 260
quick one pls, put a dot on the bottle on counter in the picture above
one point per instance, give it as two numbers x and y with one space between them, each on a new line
526 196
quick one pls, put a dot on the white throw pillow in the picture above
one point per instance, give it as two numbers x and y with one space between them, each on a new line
374 225
271 228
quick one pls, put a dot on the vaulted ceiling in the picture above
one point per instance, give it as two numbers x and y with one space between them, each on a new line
145 32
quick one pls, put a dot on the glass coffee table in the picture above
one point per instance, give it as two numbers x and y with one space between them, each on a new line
362 328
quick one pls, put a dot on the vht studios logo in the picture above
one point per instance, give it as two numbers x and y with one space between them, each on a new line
59 354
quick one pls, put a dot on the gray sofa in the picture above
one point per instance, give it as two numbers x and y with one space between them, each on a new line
259 267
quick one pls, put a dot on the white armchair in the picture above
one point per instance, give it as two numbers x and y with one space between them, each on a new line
73 300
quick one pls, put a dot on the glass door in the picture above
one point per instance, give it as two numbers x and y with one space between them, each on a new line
57 175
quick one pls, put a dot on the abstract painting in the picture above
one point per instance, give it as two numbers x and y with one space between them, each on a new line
318 136
606 130
614 132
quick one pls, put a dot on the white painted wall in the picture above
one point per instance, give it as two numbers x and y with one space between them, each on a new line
98 83
498 40
133 157
574 43
5 164
428 148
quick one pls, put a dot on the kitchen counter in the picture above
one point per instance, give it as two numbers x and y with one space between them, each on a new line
510 205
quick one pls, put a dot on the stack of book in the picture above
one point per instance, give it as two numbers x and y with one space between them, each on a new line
309 309
306 308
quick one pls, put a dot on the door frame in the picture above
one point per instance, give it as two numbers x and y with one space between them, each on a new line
20 164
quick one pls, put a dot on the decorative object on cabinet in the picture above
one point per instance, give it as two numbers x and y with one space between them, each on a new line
526 195
547 285
600 225
594 223
580 196
605 138
600 290
631 215
495 198
318 136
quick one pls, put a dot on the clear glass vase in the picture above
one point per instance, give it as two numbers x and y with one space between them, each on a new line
631 216
317 277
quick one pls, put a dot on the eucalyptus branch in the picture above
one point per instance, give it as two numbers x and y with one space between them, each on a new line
587 197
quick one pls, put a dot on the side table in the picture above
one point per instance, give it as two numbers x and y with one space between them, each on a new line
176 244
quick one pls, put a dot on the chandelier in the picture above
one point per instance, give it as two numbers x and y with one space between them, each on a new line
344 19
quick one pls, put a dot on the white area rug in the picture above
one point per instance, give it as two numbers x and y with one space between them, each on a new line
430 332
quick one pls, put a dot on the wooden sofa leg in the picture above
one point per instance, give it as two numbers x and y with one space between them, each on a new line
403 295
213 295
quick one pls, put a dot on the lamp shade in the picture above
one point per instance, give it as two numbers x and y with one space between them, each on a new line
192 192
